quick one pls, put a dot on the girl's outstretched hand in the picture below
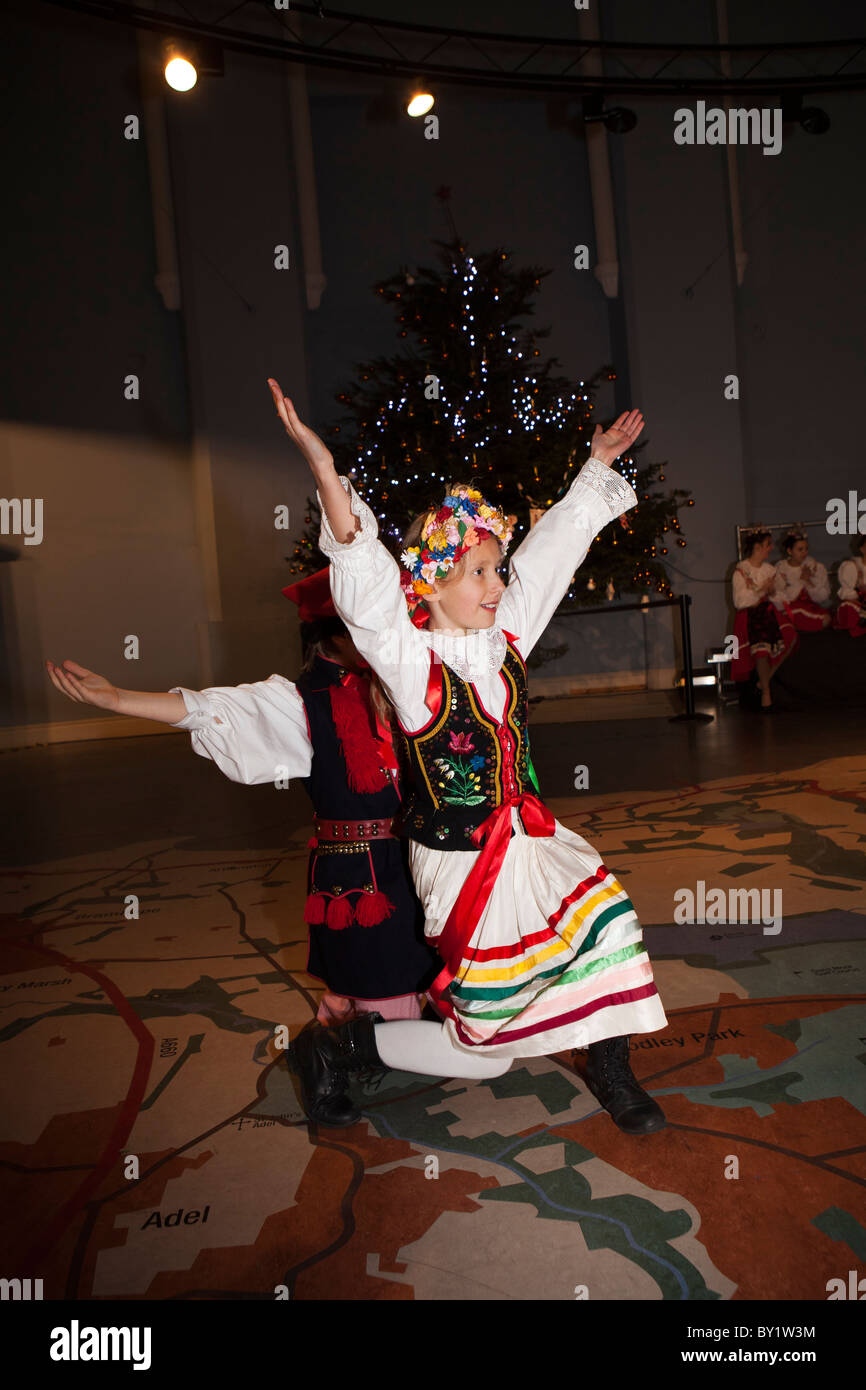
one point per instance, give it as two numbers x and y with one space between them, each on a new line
607 445
309 443
83 685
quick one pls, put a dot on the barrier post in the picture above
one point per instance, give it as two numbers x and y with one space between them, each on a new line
686 635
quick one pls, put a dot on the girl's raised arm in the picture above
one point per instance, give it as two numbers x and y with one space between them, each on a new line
365 577
333 499
544 563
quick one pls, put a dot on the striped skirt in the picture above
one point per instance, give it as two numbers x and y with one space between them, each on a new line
557 959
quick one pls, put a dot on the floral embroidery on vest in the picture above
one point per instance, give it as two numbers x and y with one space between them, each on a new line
461 773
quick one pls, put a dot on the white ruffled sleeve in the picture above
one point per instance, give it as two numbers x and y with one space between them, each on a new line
368 596
254 733
543 565
777 588
787 584
848 582
819 587
744 593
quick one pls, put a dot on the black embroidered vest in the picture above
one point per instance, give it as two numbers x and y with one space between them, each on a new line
326 786
463 762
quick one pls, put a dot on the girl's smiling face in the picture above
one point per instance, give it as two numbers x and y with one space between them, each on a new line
471 601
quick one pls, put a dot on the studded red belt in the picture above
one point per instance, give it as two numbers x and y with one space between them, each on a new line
337 830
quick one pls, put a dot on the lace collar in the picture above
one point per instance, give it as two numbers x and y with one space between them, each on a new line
480 652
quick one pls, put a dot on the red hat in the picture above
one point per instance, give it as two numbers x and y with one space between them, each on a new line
313 596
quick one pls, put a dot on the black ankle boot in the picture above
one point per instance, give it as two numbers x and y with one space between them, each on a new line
323 1057
323 1090
615 1086
352 1046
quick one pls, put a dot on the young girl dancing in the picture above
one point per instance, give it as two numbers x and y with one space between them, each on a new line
541 946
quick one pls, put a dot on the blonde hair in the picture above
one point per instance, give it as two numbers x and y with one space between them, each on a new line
412 536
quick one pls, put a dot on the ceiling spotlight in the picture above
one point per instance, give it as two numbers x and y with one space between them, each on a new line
179 71
184 62
812 119
420 100
619 119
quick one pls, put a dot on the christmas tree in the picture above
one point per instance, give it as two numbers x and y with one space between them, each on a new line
468 399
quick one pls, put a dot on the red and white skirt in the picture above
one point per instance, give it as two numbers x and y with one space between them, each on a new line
762 630
806 614
851 615
557 958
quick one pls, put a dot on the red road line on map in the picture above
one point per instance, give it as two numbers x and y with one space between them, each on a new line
167 868
128 1109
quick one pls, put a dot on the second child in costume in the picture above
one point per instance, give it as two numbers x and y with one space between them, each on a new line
357 876
365 922
542 948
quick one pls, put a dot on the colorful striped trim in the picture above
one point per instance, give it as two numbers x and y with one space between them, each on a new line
562 940
518 948
568 975
585 886
629 996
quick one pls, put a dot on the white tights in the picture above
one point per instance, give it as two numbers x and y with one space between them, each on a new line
419 1046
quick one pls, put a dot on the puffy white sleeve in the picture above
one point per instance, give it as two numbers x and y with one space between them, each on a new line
544 563
848 582
744 590
776 594
787 586
818 588
254 733
368 596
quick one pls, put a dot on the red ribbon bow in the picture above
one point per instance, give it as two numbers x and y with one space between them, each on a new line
494 834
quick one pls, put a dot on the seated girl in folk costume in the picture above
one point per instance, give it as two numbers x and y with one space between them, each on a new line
763 627
802 583
851 613
365 923
542 948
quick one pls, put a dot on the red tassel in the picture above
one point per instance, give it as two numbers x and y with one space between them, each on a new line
373 908
314 909
340 914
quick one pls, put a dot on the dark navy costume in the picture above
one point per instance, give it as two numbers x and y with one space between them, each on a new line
390 957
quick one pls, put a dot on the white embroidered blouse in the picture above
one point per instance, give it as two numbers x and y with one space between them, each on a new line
365 587
747 582
852 576
790 579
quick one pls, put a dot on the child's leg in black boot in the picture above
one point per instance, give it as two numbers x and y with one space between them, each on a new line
324 1057
614 1085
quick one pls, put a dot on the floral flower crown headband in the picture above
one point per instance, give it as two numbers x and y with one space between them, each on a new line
463 520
